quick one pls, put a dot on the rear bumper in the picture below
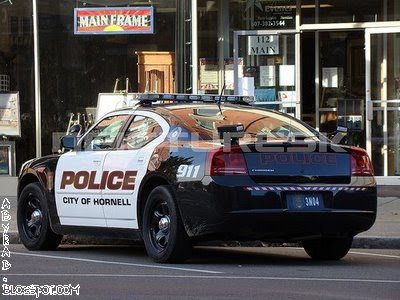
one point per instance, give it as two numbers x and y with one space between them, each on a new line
235 211
284 225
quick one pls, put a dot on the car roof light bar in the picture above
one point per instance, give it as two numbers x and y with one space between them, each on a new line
148 98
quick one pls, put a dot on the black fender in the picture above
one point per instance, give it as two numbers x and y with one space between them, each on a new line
163 170
42 170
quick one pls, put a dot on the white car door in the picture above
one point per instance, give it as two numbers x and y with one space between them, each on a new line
129 166
79 177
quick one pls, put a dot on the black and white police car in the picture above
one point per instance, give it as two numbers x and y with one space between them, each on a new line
199 168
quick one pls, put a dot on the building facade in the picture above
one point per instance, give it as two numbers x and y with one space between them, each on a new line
328 62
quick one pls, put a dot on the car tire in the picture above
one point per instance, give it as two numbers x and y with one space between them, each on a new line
33 220
328 248
163 233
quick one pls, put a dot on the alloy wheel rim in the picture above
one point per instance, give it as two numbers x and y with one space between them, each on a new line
33 218
160 223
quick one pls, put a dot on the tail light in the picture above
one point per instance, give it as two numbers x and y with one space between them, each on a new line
227 163
360 163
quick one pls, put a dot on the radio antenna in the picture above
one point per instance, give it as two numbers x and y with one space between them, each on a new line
222 92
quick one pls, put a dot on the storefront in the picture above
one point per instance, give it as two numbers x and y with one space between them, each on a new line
328 62
73 66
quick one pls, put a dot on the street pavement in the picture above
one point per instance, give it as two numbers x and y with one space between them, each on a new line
105 272
385 233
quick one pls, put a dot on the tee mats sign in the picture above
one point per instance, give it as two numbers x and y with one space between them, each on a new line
114 20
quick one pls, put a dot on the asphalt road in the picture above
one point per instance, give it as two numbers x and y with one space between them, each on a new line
226 273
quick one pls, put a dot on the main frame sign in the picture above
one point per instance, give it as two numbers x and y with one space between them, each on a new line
114 20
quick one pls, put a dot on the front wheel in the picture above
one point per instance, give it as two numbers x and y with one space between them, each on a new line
328 248
164 237
33 220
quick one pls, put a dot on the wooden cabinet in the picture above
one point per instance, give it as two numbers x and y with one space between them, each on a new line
156 72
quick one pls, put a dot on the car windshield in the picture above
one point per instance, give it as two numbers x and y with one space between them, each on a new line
205 120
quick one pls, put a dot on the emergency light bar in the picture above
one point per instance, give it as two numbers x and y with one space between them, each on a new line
150 98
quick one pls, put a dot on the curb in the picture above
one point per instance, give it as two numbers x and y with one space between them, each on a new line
362 242
375 242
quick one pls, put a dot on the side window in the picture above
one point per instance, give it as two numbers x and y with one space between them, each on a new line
141 132
104 134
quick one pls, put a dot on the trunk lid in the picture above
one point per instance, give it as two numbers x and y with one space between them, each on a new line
289 163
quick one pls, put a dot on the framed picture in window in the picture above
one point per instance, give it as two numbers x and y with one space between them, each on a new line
10 119
7 158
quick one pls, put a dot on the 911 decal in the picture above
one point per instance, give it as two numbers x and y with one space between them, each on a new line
188 171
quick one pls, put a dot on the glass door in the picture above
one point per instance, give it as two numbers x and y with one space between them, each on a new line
265 67
340 84
383 99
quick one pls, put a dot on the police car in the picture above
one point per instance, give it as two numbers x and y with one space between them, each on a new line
178 169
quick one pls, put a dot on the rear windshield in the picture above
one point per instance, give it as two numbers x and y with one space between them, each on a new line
205 119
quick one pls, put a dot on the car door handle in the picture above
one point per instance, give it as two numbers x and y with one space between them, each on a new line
97 162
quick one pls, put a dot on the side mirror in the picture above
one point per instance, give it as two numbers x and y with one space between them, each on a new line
76 129
69 142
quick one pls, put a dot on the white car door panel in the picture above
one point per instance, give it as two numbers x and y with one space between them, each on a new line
80 179
76 172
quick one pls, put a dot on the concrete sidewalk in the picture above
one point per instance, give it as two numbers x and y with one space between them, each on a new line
385 234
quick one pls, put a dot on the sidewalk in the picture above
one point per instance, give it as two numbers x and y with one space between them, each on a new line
385 234
386 231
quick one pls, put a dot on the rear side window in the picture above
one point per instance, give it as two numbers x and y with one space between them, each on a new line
204 120
140 132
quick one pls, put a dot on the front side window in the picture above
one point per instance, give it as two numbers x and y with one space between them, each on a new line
103 135
141 131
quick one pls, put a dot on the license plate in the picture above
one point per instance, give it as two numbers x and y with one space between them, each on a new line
300 201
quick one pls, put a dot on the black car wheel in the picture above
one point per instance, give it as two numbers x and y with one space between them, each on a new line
164 237
33 221
328 248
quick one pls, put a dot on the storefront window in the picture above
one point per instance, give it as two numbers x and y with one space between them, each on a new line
268 70
209 67
76 68
217 23
342 84
16 73
385 96
347 11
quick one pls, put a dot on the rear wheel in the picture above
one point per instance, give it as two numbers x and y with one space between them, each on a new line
33 220
328 248
164 237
